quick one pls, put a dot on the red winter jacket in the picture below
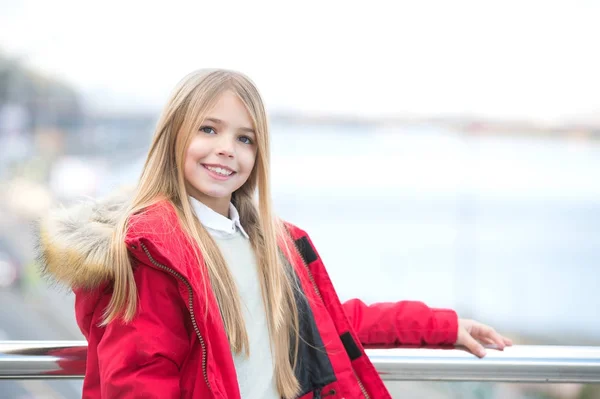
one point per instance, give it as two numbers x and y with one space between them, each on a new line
171 350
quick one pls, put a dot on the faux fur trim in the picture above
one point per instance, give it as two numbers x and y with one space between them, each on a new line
73 243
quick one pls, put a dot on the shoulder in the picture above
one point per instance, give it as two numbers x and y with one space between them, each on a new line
158 218
158 229
295 231
155 234
158 224
302 242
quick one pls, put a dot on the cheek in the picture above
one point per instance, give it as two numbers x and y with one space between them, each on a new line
248 159
190 161
192 155
196 149
189 168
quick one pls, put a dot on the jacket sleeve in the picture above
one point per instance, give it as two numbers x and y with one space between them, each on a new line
141 359
381 324
401 323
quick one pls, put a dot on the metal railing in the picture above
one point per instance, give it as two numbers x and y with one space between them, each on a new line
546 364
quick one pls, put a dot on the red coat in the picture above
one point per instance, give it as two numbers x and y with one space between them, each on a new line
170 350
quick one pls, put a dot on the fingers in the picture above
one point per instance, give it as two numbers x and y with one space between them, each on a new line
472 345
497 338
492 343
470 332
489 335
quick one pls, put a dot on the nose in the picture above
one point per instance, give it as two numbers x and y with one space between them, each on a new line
226 146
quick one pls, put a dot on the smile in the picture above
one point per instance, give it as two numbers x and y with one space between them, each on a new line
219 171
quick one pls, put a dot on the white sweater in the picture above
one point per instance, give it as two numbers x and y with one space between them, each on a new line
256 376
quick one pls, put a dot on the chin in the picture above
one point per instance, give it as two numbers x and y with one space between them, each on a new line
216 193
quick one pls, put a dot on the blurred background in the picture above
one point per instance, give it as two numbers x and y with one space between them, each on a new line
440 151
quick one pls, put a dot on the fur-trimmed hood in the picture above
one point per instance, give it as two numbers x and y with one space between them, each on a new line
73 242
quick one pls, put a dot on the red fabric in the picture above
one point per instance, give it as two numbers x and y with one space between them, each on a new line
159 355
72 361
401 323
380 324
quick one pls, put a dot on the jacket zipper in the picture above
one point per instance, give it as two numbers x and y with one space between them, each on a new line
314 284
318 393
191 308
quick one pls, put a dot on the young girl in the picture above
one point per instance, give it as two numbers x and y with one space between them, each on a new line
189 288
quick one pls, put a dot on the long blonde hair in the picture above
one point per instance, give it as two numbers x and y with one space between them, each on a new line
162 178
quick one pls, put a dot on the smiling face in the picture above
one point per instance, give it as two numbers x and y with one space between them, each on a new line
221 155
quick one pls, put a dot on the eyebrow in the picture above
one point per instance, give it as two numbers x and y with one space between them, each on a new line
220 122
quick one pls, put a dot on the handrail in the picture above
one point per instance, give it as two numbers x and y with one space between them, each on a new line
521 363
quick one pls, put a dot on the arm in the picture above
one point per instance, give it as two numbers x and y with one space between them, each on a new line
142 358
407 323
401 323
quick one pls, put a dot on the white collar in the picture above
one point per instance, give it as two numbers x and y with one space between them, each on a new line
215 221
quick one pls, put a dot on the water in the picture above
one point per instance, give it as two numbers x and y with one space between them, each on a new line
504 230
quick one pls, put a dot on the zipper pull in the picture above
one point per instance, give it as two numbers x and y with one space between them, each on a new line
317 394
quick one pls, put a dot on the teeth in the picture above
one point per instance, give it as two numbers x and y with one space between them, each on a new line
221 171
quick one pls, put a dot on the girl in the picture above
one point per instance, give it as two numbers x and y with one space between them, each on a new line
189 289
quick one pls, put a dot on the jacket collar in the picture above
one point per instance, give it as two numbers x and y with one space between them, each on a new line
217 223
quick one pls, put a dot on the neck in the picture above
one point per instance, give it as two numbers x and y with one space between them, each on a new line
219 205
222 209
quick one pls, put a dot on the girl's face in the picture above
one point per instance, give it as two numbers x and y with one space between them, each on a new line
221 154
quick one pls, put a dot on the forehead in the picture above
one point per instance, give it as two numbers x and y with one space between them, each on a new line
229 109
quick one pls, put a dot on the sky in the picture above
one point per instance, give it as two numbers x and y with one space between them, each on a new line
497 59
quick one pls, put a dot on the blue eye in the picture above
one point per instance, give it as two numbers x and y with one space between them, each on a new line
246 140
207 130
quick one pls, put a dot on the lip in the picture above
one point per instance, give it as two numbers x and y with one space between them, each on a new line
218 165
215 175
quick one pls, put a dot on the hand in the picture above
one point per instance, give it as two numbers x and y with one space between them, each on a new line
472 333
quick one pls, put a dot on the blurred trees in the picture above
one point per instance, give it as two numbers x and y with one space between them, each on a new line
46 102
